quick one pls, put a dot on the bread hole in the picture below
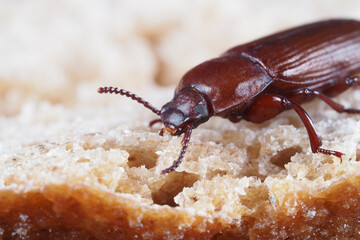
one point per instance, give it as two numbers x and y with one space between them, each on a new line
253 151
69 146
255 196
175 183
284 156
327 176
141 156
357 154
43 149
110 143
219 173
252 167
83 160
9 180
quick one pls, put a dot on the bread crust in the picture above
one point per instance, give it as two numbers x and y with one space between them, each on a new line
68 212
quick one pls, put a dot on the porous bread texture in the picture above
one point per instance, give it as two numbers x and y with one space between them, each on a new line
78 165
237 181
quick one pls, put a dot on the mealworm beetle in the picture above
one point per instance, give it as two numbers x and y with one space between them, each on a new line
258 80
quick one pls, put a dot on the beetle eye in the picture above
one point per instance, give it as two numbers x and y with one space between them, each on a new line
173 118
201 110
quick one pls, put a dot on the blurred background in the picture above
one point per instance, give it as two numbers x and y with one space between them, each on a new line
61 51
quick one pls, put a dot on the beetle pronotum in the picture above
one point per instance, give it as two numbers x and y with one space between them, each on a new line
258 80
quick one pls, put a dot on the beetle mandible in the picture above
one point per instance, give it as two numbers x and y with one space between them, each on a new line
258 80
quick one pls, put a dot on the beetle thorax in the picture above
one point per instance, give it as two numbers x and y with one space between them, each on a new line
188 106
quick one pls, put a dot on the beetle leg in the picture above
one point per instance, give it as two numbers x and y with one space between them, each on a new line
184 143
267 106
336 106
315 140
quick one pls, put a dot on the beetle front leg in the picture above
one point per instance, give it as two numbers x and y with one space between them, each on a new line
267 106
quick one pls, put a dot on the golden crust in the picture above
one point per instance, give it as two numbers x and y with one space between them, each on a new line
68 212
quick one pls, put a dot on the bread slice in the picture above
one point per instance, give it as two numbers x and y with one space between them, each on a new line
237 181
78 165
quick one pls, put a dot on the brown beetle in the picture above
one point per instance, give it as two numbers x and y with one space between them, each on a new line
258 80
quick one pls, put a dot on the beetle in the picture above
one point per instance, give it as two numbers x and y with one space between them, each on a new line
258 80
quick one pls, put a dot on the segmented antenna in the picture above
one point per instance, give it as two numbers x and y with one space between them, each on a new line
184 144
130 95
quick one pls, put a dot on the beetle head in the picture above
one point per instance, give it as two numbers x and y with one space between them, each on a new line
188 106
186 111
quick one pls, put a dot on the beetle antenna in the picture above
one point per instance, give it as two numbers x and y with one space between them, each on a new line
184 144
130 95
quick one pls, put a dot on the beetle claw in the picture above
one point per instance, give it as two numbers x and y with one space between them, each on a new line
331 152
